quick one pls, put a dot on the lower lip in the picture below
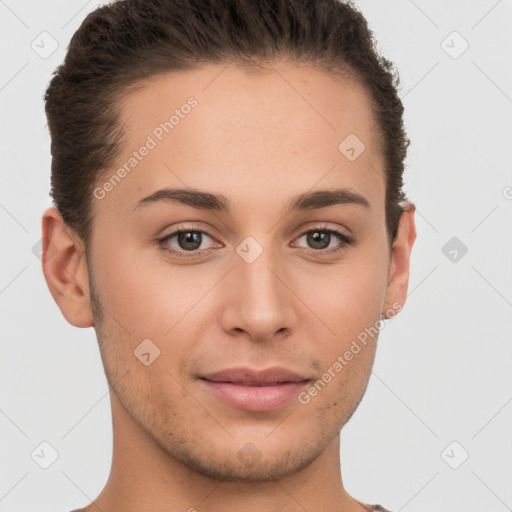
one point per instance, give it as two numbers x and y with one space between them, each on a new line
255 398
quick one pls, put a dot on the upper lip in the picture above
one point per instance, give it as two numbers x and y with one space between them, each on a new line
250 377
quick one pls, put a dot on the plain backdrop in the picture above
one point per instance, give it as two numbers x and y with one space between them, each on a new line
433 432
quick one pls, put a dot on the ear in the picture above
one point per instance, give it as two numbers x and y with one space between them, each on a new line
398 279
65 269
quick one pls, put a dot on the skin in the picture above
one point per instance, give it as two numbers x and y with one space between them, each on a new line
258 137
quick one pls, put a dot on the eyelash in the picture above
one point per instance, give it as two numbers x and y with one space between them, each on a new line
342 237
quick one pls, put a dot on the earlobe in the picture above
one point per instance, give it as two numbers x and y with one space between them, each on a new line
398 280
65 269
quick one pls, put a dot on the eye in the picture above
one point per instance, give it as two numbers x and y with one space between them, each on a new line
321 239
192 243
188 243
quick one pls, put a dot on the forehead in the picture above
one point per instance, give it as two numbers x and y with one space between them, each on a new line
232 129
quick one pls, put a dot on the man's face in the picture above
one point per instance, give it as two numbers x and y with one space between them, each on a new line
253 287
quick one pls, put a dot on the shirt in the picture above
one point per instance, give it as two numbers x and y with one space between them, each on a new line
376 508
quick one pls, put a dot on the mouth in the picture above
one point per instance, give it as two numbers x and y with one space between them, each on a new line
255 390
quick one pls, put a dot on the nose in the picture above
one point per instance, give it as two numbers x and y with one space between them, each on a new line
260 302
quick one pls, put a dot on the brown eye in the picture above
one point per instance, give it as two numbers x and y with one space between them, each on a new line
189 240
187 244
320 240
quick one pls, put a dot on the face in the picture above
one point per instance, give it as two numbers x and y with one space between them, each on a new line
247 301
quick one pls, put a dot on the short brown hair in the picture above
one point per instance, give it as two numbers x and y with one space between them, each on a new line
122 43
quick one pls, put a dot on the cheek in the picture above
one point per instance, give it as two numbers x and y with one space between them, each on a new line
349 302
148 296
349 297
143 294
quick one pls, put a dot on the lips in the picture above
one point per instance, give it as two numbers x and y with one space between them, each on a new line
248 377
254 390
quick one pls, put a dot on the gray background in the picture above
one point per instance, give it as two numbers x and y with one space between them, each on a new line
443 367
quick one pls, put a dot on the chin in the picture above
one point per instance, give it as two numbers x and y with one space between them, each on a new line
267 469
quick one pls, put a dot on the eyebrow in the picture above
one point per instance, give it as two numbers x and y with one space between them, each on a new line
221 204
